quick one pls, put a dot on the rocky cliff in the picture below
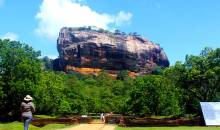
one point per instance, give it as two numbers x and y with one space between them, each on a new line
90 47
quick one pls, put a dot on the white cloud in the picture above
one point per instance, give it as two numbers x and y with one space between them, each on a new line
55 14
123 18
50 56
10 35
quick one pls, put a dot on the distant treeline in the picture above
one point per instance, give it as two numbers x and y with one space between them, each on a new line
172 91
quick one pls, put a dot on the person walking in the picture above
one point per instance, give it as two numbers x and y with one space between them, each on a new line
27 110
102 116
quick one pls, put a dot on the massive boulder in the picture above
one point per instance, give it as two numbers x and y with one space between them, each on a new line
91 47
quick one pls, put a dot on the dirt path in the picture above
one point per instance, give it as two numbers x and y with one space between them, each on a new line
92 127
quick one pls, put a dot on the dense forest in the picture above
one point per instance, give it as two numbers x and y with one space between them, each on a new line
173 91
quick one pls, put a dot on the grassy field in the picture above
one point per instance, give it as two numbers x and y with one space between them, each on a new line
44 116
19 126
168 128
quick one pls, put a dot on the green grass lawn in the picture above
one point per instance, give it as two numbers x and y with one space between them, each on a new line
19 126
169 128
44 116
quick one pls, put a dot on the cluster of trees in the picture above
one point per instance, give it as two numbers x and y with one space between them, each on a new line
198 79
20 71
176 90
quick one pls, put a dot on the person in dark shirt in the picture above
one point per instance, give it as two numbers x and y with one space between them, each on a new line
27 110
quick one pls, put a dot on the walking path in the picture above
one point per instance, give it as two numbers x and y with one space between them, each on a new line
92 127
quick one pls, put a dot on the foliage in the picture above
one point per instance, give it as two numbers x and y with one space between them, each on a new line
49 93
157 70
47 63
153 95
19 73
168 91
198 79
122 75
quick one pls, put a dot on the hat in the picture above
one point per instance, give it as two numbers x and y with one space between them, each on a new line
28 98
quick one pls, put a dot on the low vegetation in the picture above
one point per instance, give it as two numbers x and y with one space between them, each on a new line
19 126
173 91
45 116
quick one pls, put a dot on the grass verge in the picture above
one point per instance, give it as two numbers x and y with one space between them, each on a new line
19 126
44 116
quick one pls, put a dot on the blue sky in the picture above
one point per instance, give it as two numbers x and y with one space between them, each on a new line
180 26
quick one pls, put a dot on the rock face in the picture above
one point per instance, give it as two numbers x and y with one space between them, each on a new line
90 47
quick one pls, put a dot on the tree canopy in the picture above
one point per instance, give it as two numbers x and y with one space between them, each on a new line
175 90
19 73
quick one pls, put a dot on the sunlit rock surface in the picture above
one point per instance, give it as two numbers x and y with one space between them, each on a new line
90 47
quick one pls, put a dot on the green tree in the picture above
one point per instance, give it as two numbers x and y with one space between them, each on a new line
47 63
153 95
157 70
197 79
74 92
104 80
122 75
19 73
50 93
202 77
64 107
